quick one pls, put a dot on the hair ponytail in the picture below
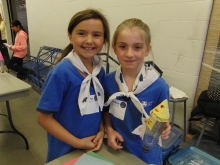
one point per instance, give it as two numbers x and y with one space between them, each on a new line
65 52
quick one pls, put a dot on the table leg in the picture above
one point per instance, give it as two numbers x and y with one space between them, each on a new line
13 127
173 113
184 134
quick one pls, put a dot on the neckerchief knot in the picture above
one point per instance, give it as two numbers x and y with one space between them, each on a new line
143 80
84 93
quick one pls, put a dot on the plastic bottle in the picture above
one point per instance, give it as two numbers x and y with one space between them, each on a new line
2 63
155 125
151 137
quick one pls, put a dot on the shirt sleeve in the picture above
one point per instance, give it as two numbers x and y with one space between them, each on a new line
52 94
45 112
164 94
21 43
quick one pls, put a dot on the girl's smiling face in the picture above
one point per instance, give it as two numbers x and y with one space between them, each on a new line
87 38
131 48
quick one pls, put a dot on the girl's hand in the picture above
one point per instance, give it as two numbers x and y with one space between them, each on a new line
114 139
87 143
166 131
98 140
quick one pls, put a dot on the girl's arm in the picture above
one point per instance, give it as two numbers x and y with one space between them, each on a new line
114 138
99 137
20 44
2 26
54 128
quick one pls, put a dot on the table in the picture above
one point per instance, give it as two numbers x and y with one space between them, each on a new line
120 157
179 100
12 88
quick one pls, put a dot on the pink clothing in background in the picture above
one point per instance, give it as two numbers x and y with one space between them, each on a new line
20 46
1 57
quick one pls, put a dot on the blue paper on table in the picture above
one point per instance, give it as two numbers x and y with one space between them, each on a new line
86 159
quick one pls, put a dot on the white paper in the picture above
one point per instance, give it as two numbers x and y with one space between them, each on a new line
138 130
7 45
176 93
118 109
93 106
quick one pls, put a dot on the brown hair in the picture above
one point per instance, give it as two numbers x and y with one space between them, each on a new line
17 24
85 15
131 23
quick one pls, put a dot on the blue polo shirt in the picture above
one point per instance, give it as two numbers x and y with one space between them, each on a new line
149 98
60 96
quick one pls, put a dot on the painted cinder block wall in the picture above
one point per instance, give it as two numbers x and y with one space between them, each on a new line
178 29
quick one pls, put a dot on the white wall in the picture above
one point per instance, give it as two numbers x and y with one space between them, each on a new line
178 30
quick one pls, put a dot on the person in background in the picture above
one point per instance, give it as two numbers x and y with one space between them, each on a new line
135 91
3 49
20 50
72 97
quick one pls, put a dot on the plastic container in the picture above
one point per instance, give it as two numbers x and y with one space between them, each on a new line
151 137
192 156
171 144
155 124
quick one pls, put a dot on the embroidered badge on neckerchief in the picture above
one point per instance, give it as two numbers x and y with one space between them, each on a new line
84 94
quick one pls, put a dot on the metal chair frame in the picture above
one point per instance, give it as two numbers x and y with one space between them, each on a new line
39 66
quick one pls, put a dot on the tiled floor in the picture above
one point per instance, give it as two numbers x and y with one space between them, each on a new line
12 146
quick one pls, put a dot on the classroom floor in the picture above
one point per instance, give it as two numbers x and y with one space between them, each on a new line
12 147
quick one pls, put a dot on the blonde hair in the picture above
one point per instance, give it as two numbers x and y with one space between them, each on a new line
132 23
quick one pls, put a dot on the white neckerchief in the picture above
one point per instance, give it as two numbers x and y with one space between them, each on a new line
144 79
84 93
